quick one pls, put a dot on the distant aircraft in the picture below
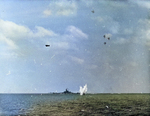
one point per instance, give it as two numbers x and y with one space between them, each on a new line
104 42
92 11
47 45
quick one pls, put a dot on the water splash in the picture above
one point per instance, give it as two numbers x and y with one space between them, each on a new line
83 90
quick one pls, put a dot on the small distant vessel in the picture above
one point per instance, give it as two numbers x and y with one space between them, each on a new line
83 90
67 92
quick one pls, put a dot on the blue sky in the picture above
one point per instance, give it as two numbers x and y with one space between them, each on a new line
77 54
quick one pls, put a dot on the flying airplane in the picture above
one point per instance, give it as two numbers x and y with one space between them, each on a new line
47 45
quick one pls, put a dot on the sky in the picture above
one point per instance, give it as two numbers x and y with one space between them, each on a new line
77 54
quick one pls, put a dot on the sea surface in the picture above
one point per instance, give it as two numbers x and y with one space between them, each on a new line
20 104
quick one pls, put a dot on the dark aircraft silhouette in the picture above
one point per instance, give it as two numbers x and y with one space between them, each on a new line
104 42
47 45
92 11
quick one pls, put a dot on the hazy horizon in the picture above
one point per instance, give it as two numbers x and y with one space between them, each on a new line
77 54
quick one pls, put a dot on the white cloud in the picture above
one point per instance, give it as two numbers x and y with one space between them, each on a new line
128 31
76 32
108 35
61 8
65 12
133 64
8 73
77 60
109 23
88 3
142 3
68 40
47 12
7 41
42 32
143 33
60 45
11 33
93 66
12 30
23 39
99 19
121 41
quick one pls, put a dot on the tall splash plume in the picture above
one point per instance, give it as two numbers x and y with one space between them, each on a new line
83 90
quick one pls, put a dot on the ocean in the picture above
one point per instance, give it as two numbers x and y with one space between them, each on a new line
20 104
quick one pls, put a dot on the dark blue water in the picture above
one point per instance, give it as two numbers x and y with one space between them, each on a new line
17 104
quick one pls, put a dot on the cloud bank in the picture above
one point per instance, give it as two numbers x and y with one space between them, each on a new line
61 9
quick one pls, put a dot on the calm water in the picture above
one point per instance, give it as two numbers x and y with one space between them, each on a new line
15 104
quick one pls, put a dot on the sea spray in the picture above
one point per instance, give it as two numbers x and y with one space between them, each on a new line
83 90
